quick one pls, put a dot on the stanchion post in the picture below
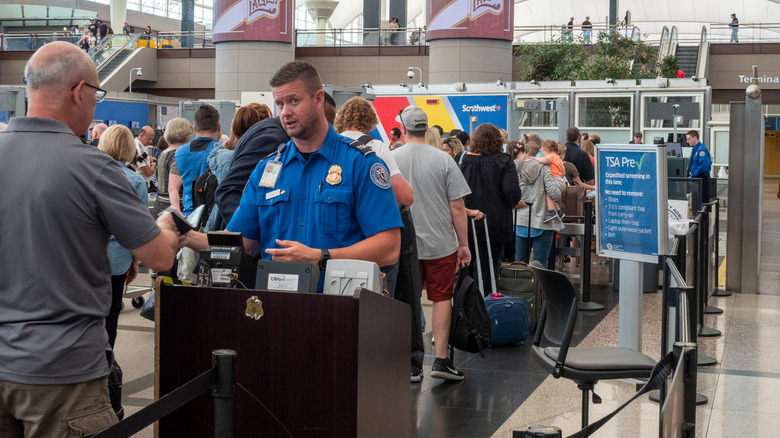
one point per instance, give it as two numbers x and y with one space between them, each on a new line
224 392
586 243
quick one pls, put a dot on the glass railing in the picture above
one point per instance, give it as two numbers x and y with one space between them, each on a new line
33 41
182 40
746 33
106 50
359 37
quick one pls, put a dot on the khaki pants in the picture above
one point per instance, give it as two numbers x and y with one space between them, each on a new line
54 411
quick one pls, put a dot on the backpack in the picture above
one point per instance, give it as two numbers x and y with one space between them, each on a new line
470 329
203 189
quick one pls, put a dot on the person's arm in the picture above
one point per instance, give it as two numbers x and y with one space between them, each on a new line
588 172
476 214
174 184
550 186
159 253
149 169
510 183
460 222
579 182
382 248
403 191
543 160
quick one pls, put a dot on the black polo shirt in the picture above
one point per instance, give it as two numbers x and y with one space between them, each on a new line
581 161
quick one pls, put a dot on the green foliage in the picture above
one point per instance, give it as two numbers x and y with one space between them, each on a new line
669 66
606 112
616 56
556 60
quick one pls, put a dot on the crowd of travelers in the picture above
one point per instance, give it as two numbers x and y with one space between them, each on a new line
308 185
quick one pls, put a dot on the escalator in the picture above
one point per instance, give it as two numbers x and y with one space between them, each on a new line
110 66
112 53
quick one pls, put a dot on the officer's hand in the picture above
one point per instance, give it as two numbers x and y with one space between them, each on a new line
293 251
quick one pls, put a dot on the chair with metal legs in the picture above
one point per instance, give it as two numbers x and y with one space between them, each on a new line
585 366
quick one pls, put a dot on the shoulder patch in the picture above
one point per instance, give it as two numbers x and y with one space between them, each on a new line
363 148
380 176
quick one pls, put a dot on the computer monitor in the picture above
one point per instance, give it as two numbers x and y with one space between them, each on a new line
680 138
673 150
677 167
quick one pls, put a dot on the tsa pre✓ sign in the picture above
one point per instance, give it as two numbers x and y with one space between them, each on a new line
631 199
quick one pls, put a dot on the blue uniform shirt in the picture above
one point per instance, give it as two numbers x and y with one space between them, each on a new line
336 199
700 160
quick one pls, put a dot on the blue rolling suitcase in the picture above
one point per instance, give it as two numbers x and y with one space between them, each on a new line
508 319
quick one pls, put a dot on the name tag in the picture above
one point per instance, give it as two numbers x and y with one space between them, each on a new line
273 194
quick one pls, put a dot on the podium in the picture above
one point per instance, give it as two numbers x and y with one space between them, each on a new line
312 365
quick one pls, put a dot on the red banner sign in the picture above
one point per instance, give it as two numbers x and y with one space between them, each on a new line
253 20
470 19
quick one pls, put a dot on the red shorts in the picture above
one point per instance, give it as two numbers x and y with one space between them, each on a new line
439 274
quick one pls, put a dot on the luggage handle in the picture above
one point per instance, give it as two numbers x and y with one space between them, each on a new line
490 255
476 249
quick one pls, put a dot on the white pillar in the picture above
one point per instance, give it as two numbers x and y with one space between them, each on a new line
118 14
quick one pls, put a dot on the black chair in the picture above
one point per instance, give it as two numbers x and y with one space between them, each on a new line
585 366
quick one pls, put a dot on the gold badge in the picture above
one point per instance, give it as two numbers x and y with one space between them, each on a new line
334 175
254 307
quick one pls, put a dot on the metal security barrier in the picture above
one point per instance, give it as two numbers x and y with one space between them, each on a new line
220 379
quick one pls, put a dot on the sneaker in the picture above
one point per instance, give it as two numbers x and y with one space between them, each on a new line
551 214
417 375
560 214
444 369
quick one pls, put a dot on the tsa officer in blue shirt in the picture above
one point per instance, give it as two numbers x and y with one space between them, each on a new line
701 163
317 197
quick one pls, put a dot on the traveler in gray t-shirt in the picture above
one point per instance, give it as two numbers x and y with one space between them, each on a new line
59 211
439 216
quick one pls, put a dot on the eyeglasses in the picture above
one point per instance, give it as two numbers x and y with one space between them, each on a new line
99 92
401 117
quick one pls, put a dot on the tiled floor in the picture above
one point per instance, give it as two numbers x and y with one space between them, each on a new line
507 391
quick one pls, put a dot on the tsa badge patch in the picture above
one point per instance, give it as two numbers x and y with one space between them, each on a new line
254 308
380 176
334 175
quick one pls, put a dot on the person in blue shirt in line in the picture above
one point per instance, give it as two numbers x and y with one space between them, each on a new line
701 163
318 197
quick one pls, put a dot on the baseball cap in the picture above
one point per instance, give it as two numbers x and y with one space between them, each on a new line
638 134
413 118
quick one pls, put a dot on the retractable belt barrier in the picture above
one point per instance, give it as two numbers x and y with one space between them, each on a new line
220 378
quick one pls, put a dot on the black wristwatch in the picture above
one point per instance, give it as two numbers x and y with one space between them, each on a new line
324 259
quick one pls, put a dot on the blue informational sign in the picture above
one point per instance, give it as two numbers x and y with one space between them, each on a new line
122 112
488 109
631 199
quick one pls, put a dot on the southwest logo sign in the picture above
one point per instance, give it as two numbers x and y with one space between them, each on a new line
480 108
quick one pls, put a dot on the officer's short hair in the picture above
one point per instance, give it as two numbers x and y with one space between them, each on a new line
693 133
295 70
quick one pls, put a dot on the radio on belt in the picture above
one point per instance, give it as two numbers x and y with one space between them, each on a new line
224 263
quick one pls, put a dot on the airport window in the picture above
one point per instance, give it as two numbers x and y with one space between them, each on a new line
604 112
687 122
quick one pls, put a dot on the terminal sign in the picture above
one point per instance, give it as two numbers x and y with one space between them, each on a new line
628 213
